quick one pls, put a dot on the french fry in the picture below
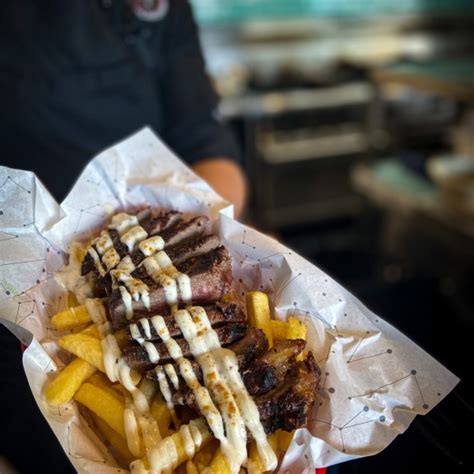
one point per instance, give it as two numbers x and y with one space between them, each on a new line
91 330
191 468
161 414
77 252
254 458
86 347
218 464
65 385
100 380
204 456
258 312
103 404
279 329
72 300
70 318
118 443
176 440
284 439
89 348
296 329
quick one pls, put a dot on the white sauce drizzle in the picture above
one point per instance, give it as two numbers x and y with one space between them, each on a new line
152 245
98 264
152 352
172 375
127 301
131 431
126 264
137 288
121 222
111 258
162 271
103 243
133 236
146 327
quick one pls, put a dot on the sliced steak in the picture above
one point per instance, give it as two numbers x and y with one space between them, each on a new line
184 230
218 314
137 357
210 275
190 248
148 221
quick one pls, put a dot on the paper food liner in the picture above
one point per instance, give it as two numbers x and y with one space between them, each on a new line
374 379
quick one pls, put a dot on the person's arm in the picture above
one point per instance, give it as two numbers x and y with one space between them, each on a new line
227 179
193 128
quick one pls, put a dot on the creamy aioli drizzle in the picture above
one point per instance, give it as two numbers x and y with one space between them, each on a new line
134 235
136 417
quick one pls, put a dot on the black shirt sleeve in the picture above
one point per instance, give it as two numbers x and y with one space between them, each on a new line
192 127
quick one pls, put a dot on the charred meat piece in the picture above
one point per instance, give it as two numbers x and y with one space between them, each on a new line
270 369
288 406
218 314
137 356
261 374
210 275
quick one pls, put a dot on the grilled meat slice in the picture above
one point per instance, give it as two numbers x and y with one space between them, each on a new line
184 230
161 221
218 314
137 356
268 370
252 345
151 223
211 277
190 248
289 405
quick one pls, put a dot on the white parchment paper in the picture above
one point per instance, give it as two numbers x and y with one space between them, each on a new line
374 379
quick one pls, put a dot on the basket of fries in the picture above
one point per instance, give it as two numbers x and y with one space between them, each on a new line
168 337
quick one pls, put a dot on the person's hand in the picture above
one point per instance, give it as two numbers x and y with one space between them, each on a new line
226 178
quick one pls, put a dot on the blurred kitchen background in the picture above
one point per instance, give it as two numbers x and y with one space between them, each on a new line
356 121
